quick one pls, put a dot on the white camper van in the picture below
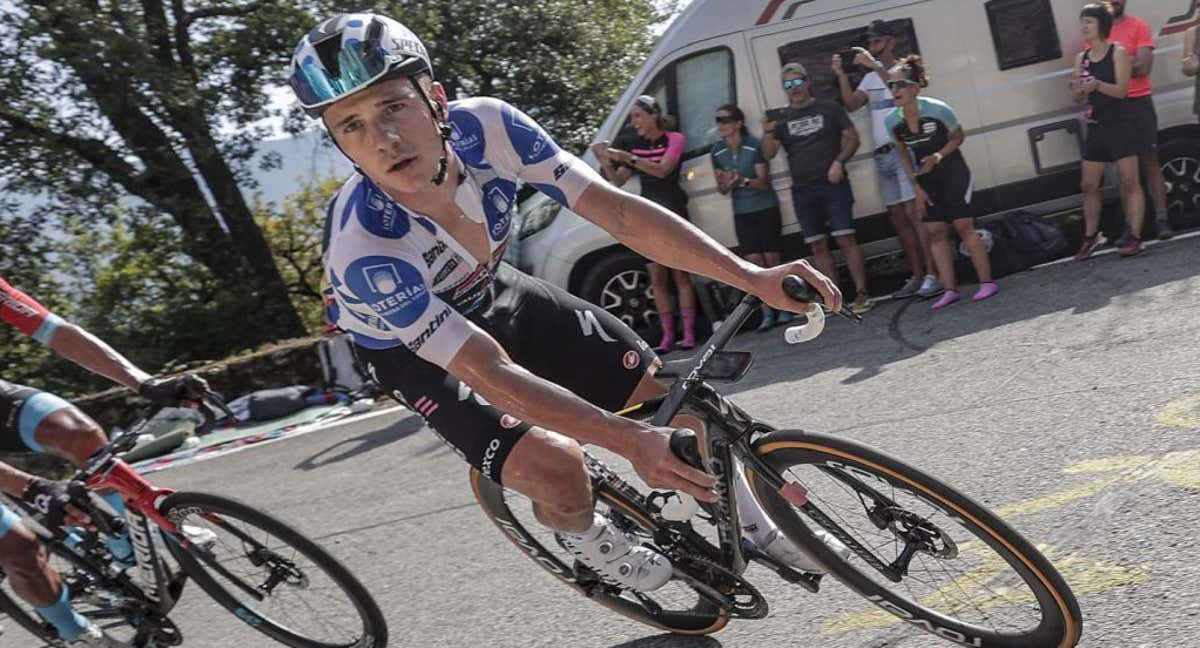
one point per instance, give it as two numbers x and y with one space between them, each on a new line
1002 64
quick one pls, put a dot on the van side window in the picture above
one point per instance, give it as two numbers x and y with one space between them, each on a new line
1023 32
816 53
690 90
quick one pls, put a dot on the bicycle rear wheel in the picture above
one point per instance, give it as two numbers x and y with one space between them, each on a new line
272 577
920 549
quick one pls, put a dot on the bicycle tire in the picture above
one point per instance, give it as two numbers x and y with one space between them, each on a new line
181 507
1061 620
701 620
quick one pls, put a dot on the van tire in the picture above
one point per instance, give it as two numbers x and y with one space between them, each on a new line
622 275
1180 161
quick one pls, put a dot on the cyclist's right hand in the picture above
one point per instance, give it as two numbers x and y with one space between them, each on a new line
652 459
174 390
53 504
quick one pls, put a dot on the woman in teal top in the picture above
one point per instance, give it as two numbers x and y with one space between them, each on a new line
740 168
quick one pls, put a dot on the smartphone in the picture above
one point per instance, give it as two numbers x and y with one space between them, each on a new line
776 114
848 58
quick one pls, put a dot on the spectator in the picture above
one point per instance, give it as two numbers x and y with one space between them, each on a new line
1103 73
1191 63
819 138
655 155
894 185
928 130
740 168
1133 34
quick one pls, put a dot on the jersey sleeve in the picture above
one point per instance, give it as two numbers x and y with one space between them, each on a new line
942 110
842 118
676 143
1143 37
391 296
891 122
26 314
518 147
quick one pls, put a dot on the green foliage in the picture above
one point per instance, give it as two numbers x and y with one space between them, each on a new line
564 62
294 234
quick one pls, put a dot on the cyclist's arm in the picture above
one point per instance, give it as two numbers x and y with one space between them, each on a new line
86 350
13 481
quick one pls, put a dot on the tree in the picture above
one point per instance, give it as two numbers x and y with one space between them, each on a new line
104 100
294 233
565 62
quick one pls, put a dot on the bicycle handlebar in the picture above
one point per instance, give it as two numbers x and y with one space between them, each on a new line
798 289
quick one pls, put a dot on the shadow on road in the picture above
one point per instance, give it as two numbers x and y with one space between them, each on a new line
363 443
671 641
897 331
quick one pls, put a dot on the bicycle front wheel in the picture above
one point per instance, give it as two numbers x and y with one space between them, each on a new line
270 576
919 549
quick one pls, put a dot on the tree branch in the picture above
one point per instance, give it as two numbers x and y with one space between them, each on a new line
212 12
95 152
183 46
156 28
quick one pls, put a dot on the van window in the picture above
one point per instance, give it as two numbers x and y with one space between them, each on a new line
1023 32
816 53
690 90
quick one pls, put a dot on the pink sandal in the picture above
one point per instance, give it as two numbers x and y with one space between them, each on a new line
948 297
985 291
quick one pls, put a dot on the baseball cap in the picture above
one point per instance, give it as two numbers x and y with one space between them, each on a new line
794 68
880 28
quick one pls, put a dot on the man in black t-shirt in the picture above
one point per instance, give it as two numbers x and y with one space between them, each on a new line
819 139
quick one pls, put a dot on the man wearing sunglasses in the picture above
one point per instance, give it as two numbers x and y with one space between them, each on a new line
879 59
512 372
819 139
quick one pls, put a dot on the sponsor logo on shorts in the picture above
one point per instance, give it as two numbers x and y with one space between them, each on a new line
489 455
631 360
508 421
591 326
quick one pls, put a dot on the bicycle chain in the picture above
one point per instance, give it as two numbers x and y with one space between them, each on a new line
726 582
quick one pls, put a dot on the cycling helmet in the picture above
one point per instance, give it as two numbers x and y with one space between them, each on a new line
350 52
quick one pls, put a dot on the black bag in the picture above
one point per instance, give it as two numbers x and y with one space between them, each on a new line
1035 238
270 404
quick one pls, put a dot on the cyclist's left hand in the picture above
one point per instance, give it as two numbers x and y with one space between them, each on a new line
172 391
768 286
53 505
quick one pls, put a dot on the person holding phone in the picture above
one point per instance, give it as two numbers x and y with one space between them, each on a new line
820 139
928 130
741 170
894 186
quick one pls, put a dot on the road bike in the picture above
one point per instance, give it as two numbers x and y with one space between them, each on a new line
917 548
267 574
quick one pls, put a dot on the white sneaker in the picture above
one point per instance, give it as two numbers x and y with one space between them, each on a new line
94 637
610 554
762 532
780 548
930 287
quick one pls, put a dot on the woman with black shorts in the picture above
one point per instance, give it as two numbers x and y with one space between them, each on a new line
741 169
928 130
1115 131
655 155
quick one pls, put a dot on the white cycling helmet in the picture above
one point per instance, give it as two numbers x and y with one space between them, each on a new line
350 52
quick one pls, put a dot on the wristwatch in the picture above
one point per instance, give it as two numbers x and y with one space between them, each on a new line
937 157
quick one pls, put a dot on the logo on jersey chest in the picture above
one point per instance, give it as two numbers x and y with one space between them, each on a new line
498 198
383 217
431 255
806 126
929 128
466 138
391 287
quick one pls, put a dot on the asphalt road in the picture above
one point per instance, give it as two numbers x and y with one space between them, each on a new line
1070 403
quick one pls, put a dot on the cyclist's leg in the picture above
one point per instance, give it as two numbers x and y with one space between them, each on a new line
24 562
544 466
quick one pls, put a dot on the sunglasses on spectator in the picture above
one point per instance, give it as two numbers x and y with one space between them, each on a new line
902 83
788 84
726 119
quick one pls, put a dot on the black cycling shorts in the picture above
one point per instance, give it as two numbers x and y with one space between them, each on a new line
760 231
949 187
561 338
22 409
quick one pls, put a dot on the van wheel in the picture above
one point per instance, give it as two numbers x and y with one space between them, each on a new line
620 284
1180 159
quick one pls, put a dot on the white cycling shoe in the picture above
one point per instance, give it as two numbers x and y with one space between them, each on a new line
94 637
615 559
203 538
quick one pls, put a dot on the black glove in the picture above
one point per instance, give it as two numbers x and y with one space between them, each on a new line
49 499
170 391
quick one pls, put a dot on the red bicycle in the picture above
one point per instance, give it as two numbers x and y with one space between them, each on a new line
267 574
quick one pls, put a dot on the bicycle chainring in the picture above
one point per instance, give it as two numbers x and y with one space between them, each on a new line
748 602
